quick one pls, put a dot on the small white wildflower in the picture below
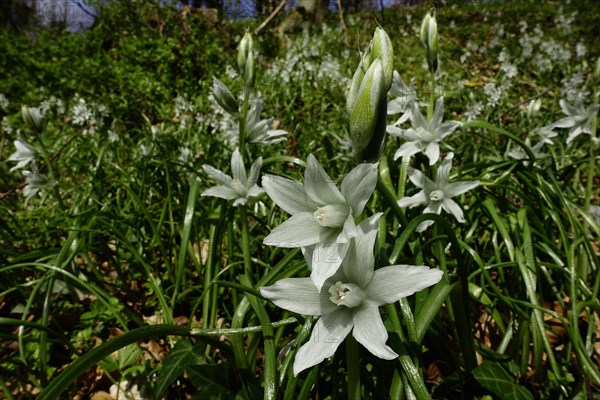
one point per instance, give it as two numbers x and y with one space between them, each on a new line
579 118
23 155
437 195
3 102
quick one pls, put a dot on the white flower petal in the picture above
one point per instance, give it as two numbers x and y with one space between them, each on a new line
300 296
394 130
424 225
390 284
359 262
327 335
217 175
419 179
325 261
438 114
433 152
222 192
318 184
407 149
238 170
370 331
358 186
255 171
451 207
299 230
413 201
457 188
434 207
289 195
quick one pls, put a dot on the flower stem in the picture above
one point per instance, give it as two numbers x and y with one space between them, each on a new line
245 241
243 121
430 107
353 368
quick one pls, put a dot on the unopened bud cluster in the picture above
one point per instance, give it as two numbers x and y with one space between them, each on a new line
429 37
366 102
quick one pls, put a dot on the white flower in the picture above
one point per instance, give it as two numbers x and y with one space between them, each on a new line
23 156
351 301
437 195
403 95
33 183
578 118
322 221
259 131
240 187
545 133
520 154
424 136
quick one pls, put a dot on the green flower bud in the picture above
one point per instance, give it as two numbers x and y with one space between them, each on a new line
225 98
383 50
245 61
33 118
597 69
429 37
249 73
367 106
244 50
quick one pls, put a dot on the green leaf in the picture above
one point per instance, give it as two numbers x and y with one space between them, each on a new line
497 380
182 356
212 381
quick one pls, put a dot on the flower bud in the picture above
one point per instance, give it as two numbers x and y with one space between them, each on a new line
597 69
245 60
33 118
429 37
533 108
383 50
366 110
249 73
225 98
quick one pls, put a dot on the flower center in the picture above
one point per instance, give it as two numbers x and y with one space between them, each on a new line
436 195
239 188
346 294
424 134
332 216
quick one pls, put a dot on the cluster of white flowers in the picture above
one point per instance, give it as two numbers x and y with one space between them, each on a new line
308 60
89 116
184 111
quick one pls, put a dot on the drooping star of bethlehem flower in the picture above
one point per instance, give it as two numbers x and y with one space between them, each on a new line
34 182
322 221
437 195
536 149
238 187
351 300
424 136
578 119
259 130
404 96
23 156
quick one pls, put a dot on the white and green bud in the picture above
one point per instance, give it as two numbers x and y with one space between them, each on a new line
429 37
245 60
382 49
367 106
33 118
225 98
533 108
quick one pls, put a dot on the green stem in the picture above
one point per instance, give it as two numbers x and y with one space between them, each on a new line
431 106
353 368
244 121
246 242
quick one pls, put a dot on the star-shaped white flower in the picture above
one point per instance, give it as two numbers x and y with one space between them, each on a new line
424 136
536 149
403 95
322 221
34 182
239 187
259 130
23 156
351 301
579 118
437 195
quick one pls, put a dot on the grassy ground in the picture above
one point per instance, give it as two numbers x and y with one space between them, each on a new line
117 271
